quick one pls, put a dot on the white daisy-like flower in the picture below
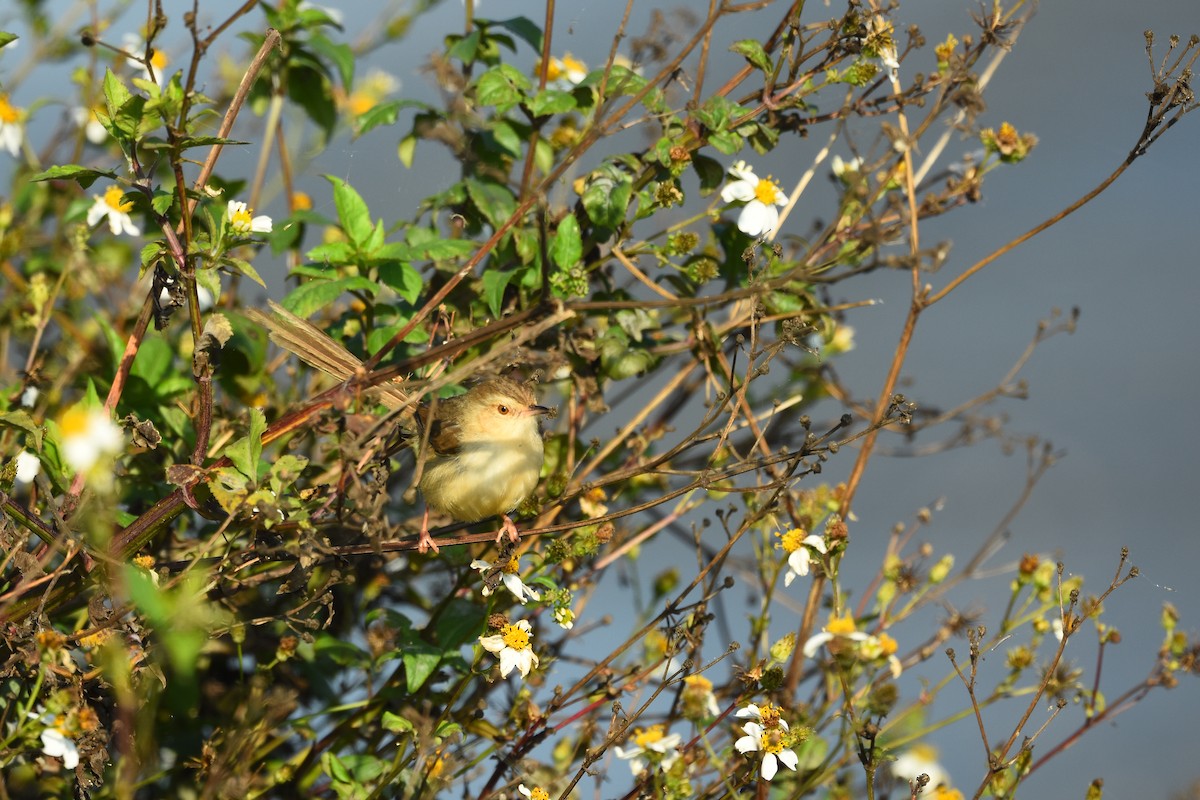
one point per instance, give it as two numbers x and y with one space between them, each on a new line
57 744
135 45
93 130
89 435
760 195
370 91
536 793
768 735
565 617
239 216
12 132
844 170
110 206
512 645
869 648
28 467
799 545
512 579
651 744
919 760
565 72
698 700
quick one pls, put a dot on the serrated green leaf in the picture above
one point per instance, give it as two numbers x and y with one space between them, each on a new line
420 661
552 101
116 94
161 202
84 176
502 86
606 200
567 247
507 137
753 52
726 142
314 295
246 451
353 215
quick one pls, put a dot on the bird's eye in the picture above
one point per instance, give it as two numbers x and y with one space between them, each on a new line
503 409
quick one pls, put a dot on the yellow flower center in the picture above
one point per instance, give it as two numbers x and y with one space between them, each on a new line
8 114
539 794
887 644
75 421
769 715
648 736
766 191
772 741
698 683
512 566
301 201
159 62
112 199
515 637
241 220
360 102
944 793
145 562
793 540
572 64
841 626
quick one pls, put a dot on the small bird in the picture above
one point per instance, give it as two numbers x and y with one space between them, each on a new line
485 447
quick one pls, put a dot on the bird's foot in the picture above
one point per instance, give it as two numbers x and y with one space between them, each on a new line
425 542
509 527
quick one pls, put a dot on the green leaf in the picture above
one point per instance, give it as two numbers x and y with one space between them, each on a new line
384 114
341 55
465 48
7 38
153 361
494 200
394 723
402 278
494 283
22 421
567 247
353 214
710 172
246 451
315 295
718 112
161 202
336 253
753 51
507 137
552 101
116 94
406 149
461 623
502 86
606 200
523 28
726 142
420 661
84 176
245 268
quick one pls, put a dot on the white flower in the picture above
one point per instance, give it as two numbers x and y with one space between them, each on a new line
536 793
760 195
28 466
238 215
93 130
698 700
844 170
88 435
868 647
920 760
11 131
512 580
512 645
57 744
565 617
768 735
109 205
651 744
135 46
799 549
566 72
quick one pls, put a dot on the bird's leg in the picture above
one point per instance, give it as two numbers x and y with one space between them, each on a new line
509 527
425 541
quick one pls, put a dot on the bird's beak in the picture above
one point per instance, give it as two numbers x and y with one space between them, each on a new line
538 411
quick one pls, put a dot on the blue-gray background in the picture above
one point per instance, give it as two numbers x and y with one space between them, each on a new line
1118 397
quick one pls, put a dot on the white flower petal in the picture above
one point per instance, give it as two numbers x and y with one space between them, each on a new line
746 744
770 766
789 759
738 191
